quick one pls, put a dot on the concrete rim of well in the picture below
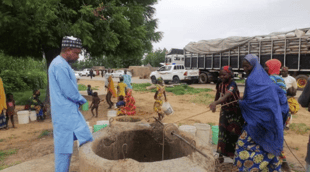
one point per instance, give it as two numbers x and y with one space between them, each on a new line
90 160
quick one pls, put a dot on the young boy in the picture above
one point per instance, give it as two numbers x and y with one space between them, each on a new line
95 104
291 87
121 88
10 110
121 102
89 90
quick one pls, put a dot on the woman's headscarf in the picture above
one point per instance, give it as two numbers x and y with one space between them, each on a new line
274 66
160 80
264 107
111 86
251 59
228 69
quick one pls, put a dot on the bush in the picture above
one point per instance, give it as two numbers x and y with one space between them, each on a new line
22 98
21 74
23 80
140 87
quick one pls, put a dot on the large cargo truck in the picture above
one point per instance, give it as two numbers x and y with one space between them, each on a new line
291 48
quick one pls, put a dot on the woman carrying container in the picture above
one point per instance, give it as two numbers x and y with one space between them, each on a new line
264 106
231 121
111 92
160 93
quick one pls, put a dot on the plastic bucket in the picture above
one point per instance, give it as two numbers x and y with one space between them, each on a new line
188 128
215 134
112 114
85 106
203 132
99 127
23 117
33 116
102 122
166 107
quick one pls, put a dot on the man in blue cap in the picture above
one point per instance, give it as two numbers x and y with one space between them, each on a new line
68 122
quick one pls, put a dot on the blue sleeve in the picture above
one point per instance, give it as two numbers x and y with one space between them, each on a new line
67 86
232 87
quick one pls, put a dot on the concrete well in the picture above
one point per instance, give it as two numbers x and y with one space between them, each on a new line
128 147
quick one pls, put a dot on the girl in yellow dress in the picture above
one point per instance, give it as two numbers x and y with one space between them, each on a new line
121 87
159 98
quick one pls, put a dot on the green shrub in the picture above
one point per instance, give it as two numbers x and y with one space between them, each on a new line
82 87
177 90
23 80
185 89
23 97
140 87
21 74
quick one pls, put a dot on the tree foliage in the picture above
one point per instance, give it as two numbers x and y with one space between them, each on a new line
21 74
122 30
156 57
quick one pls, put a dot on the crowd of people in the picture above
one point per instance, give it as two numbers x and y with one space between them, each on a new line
125 101
251 127
8 107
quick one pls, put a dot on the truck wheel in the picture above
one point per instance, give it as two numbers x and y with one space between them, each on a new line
176 79
153 78
203 78
301 81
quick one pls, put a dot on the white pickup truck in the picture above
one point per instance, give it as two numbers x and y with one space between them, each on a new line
176 74
85 72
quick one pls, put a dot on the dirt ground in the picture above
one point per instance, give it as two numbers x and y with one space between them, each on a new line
25 138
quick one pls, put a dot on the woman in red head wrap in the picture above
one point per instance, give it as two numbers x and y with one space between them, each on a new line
231 121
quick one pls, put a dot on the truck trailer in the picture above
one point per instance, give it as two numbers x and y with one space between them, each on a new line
291 48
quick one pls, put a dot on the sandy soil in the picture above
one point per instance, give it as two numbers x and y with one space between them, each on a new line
25 137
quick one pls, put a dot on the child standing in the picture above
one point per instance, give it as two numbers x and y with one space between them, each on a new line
159 98
121 87
121 102
291 88
272 67
89 90
95 104
10 110
231 121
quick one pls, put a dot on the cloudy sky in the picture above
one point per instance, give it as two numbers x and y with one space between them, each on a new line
184 21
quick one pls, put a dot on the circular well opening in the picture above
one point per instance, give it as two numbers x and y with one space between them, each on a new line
142 146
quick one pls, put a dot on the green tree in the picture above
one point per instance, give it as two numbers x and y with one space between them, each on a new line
156 57
122 29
